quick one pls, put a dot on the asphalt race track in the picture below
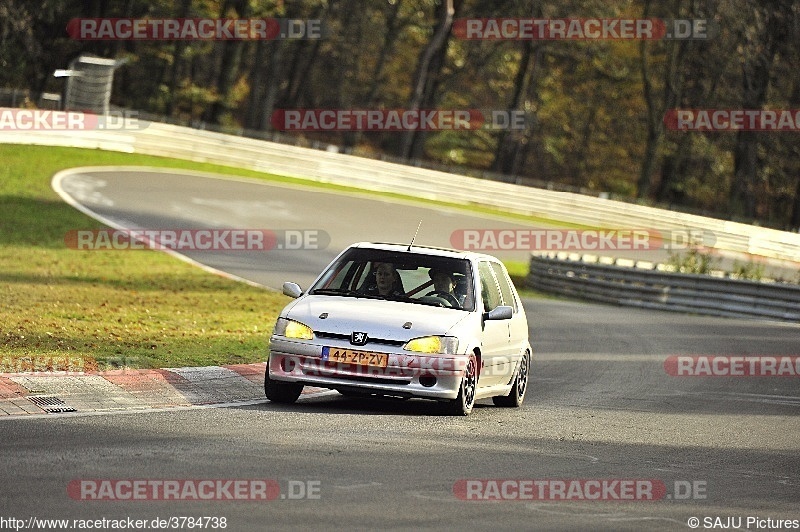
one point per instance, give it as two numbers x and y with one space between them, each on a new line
602 409
171 200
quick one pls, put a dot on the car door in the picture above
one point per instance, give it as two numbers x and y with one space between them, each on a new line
495 342
518 324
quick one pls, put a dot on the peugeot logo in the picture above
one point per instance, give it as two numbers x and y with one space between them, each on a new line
358 338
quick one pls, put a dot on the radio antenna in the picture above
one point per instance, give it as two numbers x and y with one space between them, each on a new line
415 235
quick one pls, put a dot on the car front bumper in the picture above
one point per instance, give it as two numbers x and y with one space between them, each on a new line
407 374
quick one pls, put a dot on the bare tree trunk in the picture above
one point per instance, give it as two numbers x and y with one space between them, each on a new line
673 88
742 198
390 36
274 76
794 221
506 144
256 81
672 168
792 164
760 55
229 65
508 155
654 129
429 101
177 60
392 30
424 70
301 70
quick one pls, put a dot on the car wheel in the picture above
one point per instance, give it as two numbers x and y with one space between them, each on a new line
517 395
462 405
279 391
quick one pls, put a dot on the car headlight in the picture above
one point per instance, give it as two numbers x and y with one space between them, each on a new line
293 329
445 345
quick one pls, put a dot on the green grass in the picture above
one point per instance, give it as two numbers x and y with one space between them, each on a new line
139 309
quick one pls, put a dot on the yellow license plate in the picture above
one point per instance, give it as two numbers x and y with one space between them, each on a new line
348 356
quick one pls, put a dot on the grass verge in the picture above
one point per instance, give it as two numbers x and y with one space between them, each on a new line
64 309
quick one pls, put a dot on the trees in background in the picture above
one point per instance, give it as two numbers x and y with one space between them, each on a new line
594 108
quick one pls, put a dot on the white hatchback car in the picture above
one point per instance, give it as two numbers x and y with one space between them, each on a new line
401 321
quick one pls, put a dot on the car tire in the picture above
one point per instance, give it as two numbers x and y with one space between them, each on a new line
517 395
279 391
462 405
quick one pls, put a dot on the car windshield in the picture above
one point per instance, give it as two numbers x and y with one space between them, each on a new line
400 276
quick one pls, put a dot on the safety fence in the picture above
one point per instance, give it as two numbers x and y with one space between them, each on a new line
654 288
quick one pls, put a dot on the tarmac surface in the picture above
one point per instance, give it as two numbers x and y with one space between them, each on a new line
602 407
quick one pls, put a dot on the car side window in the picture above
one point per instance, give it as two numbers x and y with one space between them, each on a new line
489 291
505 287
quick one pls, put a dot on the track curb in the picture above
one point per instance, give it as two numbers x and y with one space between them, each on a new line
32 393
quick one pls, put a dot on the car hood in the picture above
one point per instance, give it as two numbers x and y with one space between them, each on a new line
376 317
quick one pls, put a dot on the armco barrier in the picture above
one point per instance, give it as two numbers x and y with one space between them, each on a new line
330 167
648 288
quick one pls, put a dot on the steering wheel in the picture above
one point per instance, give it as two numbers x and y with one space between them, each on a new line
447 296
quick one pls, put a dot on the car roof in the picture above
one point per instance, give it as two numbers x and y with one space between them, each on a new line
425 250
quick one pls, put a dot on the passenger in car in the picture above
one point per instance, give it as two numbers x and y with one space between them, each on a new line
387 280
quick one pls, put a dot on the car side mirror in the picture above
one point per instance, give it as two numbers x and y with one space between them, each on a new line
292 290
503 312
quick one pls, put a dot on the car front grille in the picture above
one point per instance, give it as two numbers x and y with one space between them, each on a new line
346 338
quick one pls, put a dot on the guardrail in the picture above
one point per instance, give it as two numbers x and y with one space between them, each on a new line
330 167
651 288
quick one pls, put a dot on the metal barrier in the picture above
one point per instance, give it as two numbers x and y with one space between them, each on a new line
167 140
649 288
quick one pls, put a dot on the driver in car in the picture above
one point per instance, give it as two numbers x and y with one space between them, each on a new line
444 283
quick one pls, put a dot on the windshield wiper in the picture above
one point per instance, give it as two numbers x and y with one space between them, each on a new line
372 296
334 292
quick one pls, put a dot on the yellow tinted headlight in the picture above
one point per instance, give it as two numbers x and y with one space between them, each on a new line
293 329
433 344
